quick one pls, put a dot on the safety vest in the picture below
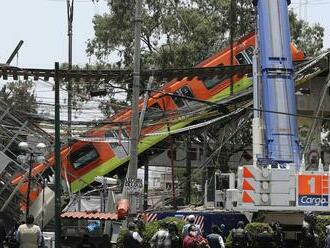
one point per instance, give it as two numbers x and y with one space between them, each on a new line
28 236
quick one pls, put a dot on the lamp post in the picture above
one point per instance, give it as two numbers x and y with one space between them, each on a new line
24 146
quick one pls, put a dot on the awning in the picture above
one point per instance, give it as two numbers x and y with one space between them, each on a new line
90 215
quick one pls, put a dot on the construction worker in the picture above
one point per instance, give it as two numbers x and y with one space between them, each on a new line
215 239
239 236
29 235
191 221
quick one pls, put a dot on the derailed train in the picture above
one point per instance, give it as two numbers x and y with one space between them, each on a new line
105 148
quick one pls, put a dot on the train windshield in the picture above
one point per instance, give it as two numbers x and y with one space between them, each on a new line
83 156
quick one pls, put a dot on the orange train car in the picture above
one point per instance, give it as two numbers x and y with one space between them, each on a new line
85 159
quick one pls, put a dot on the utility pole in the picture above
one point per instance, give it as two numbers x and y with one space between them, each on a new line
57 161
173 173
70 4
231 39
188 170
146 185
133 165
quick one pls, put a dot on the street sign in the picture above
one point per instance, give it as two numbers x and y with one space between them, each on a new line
313 190
133 185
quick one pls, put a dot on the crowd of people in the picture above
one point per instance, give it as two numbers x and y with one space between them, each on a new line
169 236
29 235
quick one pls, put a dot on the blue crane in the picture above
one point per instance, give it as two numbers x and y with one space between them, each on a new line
277 103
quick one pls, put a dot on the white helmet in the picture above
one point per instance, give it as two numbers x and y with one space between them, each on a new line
191 218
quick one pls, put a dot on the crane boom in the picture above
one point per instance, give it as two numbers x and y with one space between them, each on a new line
281 138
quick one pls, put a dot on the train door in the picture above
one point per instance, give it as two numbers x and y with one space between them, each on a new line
119 141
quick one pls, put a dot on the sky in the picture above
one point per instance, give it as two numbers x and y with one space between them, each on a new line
42 24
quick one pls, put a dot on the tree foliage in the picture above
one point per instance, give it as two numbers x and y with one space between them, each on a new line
182 33
20 96
150 230
174 33
307 37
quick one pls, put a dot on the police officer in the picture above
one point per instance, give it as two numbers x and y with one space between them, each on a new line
240 237
265 238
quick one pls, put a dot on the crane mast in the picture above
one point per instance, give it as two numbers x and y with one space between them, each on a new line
275 181
278 103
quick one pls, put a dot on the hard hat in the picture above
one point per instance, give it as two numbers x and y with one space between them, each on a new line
191 218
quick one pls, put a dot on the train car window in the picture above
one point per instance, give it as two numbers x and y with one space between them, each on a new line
178 100
185 91
211 82
110 134
83 156
153 111
241 59
249 52
116 133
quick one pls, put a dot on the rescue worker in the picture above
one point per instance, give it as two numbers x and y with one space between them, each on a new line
132 238
191 221
161 239
29 235
215 239
239 236
86 243
265 238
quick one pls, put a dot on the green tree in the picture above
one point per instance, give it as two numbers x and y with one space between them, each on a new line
182 33
174 33
307 37
20 96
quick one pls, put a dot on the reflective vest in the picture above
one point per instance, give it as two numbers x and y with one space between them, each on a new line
29 235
